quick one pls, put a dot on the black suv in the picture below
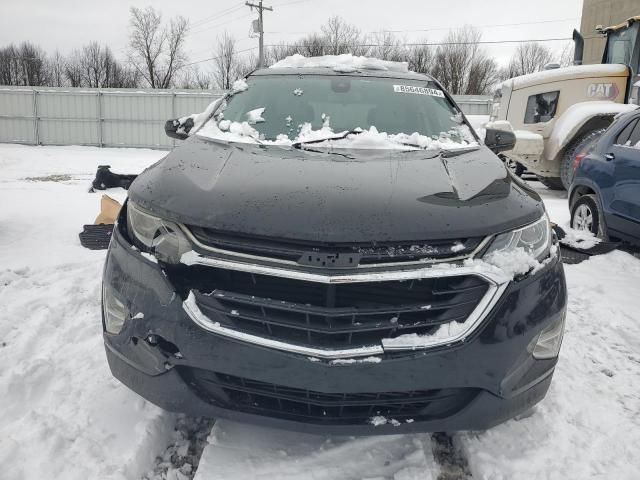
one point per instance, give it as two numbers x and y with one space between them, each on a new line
333 250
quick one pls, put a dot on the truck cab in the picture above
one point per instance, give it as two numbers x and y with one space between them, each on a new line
553 113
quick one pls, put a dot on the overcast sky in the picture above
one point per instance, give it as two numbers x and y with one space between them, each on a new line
68 24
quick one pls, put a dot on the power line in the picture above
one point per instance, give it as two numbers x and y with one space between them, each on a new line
211 27
435 44
218 56
217 15
430 29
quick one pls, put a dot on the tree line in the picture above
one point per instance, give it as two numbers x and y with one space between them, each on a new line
156 58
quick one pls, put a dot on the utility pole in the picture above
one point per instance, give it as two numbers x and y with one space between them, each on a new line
261 27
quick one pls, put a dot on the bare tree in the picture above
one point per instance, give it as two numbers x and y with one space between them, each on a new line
529 57
93 65
9 65
56 68
157 51
387 47
483 75
420 58
192 77
25 64
225 61
73 70
565 57
455 57
339 36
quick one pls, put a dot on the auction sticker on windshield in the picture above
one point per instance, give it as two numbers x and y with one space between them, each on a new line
434 92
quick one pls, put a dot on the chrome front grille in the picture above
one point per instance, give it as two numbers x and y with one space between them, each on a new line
341 316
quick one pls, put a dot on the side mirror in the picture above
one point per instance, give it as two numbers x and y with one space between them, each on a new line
175 129
499 140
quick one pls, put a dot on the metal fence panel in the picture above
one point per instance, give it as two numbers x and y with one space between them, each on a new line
17 123
115 117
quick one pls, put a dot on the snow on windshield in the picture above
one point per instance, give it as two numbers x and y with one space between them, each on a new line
243 132
242 125
345 63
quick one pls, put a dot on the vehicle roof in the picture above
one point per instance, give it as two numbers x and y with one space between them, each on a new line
627 23
567 73
364 72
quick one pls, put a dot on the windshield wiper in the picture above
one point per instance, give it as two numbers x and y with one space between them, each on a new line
335 137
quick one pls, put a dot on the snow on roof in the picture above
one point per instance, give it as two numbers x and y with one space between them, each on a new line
345 63
566 73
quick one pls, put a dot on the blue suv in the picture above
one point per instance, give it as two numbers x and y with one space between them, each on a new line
604 197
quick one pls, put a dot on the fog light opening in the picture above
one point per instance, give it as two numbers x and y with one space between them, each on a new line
115 313
549 341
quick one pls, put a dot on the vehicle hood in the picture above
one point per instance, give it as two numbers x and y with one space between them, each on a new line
348 196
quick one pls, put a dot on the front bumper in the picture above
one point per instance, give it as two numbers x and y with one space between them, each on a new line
492 375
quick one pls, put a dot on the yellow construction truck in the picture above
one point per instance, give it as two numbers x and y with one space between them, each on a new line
555 113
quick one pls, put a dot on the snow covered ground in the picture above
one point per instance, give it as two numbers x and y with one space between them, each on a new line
64 417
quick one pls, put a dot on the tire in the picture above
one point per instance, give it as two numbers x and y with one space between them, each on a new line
586 214
552 183
579 144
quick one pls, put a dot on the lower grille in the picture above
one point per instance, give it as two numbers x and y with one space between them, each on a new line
261 398
329 316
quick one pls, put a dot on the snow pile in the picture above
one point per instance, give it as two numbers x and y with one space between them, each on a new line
239 85
255 116
512 263
580 238
346 63
198 118
63 414
380 420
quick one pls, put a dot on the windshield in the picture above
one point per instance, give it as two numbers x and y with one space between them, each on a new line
621 44
380 112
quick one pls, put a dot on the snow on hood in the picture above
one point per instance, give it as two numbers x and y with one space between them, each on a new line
345 63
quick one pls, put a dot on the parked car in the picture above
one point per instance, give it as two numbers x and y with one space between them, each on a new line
605 194
314 256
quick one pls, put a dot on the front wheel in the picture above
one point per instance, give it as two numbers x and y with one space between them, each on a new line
586 215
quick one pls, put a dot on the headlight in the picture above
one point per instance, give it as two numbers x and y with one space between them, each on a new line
535 239
157 236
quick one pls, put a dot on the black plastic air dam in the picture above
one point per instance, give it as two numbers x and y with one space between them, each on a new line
169 392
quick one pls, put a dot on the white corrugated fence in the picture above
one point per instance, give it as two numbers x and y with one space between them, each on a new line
114 117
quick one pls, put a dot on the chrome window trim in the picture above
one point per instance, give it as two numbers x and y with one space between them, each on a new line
260 258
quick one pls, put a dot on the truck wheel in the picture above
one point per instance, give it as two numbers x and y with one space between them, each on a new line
586 214
579 145
552 183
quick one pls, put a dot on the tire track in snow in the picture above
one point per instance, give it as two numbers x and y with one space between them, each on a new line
450 457
180 459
